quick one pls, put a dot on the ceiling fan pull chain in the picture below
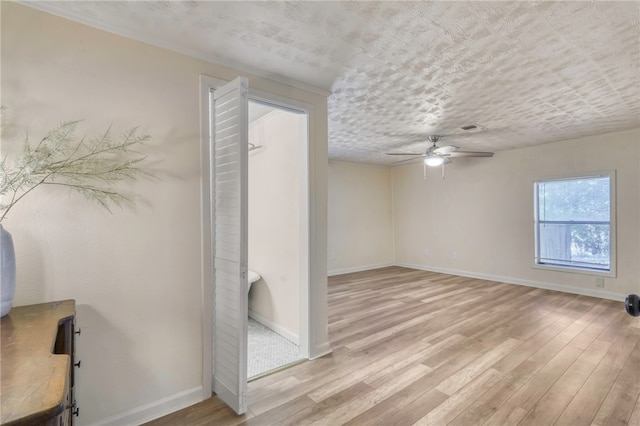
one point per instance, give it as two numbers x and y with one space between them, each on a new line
424 165
442 171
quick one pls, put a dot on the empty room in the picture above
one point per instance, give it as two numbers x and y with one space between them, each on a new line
434 206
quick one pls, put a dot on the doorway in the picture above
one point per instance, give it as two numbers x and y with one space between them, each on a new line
234 367
275 177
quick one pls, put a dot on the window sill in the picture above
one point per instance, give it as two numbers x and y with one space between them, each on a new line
581 271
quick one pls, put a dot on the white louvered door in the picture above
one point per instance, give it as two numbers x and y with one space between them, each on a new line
229 153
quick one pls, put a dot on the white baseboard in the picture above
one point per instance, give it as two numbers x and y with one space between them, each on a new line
275 327
321 350
154 410
341 271
518 281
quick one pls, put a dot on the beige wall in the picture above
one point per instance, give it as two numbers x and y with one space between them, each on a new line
360 220
135 274
483 210
275 177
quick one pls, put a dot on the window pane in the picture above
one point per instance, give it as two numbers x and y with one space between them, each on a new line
577 245
585 199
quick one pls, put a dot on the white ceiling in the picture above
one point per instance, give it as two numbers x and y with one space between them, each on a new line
528 72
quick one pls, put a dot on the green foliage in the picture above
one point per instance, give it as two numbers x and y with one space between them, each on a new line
90 166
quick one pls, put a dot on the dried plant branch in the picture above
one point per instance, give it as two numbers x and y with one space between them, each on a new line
92 167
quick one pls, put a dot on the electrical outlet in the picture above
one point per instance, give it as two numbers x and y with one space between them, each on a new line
454 255
600 282
426 253
332 255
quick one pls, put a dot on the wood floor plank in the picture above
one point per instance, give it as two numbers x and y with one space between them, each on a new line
460 400
210 411
583 407
477 367
389 331
382 413
381 376
559 342
468 349
635 415
408 359
529 394
621 399
419 389
347 412
412 346
506 416
280 414
416 408
361 374
552 404
495 396
596 327
320 410
524 351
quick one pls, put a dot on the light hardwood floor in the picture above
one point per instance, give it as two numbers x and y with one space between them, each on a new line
415 347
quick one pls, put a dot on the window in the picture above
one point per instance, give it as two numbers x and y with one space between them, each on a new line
573 223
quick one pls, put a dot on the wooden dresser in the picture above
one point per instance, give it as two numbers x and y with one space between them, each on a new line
37 363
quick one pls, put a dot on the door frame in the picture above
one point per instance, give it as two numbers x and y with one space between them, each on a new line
307 308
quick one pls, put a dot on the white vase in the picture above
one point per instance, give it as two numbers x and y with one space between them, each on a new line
7 271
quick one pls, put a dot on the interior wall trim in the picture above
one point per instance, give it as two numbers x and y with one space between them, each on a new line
517 281
275 327
341 271
321 350
153 410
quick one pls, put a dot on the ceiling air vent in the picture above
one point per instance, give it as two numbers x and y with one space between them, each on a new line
473 128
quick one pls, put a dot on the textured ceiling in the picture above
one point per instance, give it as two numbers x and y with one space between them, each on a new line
528 72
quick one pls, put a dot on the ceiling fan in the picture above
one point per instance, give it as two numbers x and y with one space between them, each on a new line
441 155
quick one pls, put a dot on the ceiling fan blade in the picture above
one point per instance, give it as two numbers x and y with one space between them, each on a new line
445 149
405 153
460 154
407 160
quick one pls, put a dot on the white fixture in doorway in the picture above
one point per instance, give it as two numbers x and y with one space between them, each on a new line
252 276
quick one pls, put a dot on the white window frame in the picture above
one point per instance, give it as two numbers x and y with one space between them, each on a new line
611 273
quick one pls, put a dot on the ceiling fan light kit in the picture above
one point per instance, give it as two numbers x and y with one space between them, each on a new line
433 160
433 157
441 155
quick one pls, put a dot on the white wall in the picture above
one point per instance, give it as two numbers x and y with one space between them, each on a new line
360 217
483 210
135 274
275 177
